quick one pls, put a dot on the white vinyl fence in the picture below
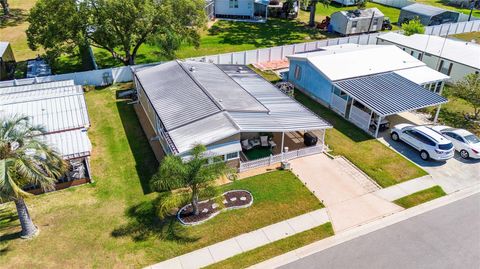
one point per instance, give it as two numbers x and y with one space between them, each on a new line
107 76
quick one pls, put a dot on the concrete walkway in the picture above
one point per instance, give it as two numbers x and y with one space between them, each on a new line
400 190
348 203
245 242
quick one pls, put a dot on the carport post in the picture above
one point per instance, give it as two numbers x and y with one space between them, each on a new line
378 125
283 138
436 114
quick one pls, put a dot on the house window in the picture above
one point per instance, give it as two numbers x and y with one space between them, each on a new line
231 156
438 87
298 72
412 52
354 24
216 159
375 22
445 70
420 56
233 3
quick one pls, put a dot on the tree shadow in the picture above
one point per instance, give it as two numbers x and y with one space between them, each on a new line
144 223
145 162
16 17
8 219
274 32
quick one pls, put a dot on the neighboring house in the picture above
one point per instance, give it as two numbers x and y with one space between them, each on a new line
451 57
228 108
7 61
366 84
348 22
61 109
428 15
254 10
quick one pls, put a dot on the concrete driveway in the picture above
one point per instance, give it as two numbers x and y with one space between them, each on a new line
348 203
453 175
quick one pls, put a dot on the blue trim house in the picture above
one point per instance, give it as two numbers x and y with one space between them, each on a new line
366 84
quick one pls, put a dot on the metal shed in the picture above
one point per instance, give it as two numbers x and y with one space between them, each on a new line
428 15
347 22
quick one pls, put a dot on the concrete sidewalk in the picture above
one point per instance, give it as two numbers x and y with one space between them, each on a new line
400 190
245 242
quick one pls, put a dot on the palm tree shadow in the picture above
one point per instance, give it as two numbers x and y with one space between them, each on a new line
144 224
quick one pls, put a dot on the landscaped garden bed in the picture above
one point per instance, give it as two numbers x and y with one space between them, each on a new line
233 199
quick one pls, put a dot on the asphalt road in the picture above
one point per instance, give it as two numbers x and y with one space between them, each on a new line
447 237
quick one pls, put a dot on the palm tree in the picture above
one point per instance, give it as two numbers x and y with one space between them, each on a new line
25 159
195 174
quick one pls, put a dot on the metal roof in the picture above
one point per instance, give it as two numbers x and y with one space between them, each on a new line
177 99
204 131
422 75
70 144
36 86
285 114
426 10
389 93
249 103
55 114
25 96
3 48
215 82
362 13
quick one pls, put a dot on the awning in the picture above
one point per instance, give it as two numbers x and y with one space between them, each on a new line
70 144
422 75
389 93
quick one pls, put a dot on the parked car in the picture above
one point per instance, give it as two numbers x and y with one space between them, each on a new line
430 143
466 143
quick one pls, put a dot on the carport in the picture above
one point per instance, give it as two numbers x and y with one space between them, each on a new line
367 101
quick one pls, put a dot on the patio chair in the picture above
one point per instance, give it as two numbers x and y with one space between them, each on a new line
246 145
264 141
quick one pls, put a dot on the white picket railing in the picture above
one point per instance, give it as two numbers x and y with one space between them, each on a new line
287 156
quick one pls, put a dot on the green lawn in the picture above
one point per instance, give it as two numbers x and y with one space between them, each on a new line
420 197
452 113
271 250
468 36
112 222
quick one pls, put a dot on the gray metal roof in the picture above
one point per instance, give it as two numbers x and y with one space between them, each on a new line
426 10
228 94
70 144
177 99
36 86
389 93
3 48
26 96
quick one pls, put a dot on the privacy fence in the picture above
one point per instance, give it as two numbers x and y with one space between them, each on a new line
107 76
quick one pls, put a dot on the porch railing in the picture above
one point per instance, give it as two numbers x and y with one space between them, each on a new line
273 159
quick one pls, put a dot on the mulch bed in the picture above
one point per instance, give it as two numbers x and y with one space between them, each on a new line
210 208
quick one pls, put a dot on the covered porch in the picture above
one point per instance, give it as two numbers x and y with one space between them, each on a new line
369 102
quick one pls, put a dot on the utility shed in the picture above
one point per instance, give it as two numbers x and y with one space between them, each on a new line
428 15
348 22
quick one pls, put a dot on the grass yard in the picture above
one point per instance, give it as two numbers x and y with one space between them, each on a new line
420 197
271 250
468 36
112 222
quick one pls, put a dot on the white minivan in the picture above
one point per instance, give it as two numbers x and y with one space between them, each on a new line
430 143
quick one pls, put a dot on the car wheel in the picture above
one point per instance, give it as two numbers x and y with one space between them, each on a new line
464 154
394 136
424 155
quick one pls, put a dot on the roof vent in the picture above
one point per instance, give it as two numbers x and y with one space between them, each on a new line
192 68
240 69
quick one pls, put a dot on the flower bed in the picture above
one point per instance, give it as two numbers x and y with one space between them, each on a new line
210 208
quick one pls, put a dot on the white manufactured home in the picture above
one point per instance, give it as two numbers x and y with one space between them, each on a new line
451 57
349 22
250 10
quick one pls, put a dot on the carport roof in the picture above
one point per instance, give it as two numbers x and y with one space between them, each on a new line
389 93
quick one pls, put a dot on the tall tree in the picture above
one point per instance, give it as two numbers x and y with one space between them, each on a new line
313 9
6 8
469 90
413 27
120 27
24 159
196 174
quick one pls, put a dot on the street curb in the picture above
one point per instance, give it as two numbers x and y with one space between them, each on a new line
364 229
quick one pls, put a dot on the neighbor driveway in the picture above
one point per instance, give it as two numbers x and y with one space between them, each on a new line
452 175
348 203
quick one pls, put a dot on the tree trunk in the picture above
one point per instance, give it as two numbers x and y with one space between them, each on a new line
6 9
196 211
313 7
29 229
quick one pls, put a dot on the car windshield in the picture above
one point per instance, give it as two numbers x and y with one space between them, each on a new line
445 146
472 139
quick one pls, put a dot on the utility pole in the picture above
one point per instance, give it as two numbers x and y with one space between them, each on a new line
472 6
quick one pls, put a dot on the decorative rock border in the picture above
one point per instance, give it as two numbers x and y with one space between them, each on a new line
233 199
